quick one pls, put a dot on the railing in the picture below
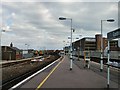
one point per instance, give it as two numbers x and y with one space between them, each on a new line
113 54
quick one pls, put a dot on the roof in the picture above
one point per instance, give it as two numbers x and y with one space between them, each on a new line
88 38
13 48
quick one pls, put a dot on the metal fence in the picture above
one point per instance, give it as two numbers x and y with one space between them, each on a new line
113 54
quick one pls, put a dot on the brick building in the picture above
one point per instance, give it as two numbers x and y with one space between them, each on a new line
98 42
94 44
84 44
11 53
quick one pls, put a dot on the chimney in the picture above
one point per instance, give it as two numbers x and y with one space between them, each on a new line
11 45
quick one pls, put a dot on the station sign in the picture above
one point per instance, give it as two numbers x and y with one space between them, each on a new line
119 42
114 34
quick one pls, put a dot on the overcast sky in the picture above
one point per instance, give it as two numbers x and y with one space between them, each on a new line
37 23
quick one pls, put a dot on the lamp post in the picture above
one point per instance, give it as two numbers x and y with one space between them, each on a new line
0 44
27 46
62 18
1 58
68 49
73 45
64 47
79 48
101 61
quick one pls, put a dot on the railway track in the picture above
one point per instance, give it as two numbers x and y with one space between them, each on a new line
13 81
6 84
10 63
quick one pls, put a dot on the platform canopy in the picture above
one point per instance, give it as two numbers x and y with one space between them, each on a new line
114 34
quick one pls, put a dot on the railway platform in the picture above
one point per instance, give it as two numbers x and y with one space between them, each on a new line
60 76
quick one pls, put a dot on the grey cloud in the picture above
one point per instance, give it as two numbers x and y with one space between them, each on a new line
38 25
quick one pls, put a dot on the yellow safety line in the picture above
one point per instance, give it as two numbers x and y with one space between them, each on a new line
48 75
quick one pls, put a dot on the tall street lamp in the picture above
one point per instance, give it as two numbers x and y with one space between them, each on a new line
0 43
79 50
101 61
73 45
27 46
64 47
62 18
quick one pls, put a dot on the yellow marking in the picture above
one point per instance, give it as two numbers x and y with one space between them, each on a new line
40 85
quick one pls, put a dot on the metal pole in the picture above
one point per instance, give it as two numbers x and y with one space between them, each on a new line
1 44
108 69
101 61
0 61
78 52
80 48
64 47
0 47
71 48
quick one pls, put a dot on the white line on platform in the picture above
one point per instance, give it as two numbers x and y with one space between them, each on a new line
15 86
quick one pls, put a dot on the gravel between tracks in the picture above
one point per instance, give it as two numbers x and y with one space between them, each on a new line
19 69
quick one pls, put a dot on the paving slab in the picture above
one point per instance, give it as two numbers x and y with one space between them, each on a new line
62 77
